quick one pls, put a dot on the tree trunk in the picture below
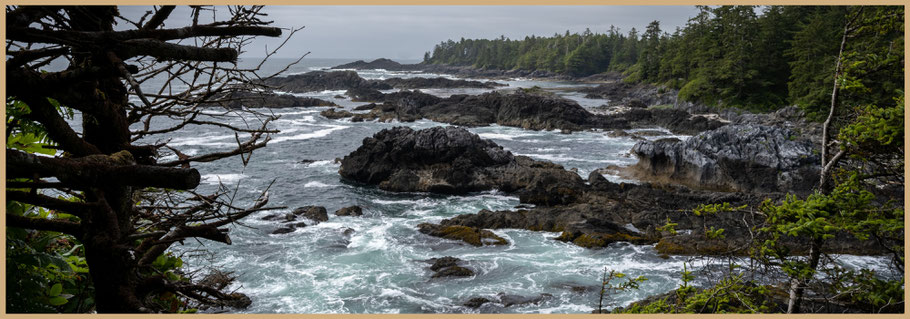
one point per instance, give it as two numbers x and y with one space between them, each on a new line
110 261
798 284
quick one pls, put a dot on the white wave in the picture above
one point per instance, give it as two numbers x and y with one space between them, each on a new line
332 92
562 158
202 141
315 184
306 136
394 202
323 163
214 179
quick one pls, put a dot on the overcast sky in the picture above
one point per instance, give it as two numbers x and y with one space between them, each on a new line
406 32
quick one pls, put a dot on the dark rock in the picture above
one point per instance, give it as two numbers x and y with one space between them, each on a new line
273 217
632 95
470 235
448 267
237 300
333 114
454 271
677 121
476 302
322 80
284 230
314 213
350 211
734 157
440 263
381 63
790 117
365 95
508 300
238 99
636 103
307 161
461 71
360 89
422 82
365 107
452 160
339 96
519 109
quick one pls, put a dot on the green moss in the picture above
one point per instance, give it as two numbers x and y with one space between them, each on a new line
601 240
589 241
565 236
668 248
471 235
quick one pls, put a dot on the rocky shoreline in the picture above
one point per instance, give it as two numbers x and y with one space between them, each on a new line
734 157
348 80
592 213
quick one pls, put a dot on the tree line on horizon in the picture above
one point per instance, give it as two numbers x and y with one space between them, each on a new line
757 58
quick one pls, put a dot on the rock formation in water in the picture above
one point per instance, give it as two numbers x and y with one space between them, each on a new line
592 214
350 80
322 80
733 158
238 99
451 160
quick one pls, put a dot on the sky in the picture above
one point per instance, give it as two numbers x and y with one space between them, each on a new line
406 32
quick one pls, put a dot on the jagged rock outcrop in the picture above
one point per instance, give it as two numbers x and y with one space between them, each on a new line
381 63
677 121
460 71
248 99
451 160
350 211
422 82
519 109
471 235
365 95
350 80
733 158
322 80
449 267
289 220
334 114
314 213
632 95
503 299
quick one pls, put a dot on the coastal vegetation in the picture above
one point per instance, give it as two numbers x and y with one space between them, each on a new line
91 211
757 58
795 156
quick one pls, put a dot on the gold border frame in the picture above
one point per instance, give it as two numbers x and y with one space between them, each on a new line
3 313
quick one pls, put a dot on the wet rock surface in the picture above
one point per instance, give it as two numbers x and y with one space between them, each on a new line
471 235
449 267
335 114
505 300
632 95
315 213
746 157
350 211
240 99
451 160
675 120
518 109
350 80
322 80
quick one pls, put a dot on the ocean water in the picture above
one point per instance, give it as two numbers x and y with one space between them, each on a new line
377 263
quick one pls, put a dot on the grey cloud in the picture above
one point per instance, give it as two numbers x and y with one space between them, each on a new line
406 32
